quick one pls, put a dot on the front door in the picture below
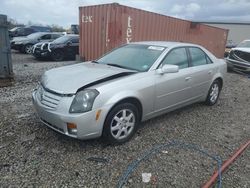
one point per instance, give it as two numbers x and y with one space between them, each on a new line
173 89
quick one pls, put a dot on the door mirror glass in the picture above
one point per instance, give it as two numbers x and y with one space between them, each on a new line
168 69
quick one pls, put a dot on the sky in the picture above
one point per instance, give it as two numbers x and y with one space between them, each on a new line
65 12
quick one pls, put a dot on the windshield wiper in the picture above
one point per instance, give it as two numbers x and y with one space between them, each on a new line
115 65
94 61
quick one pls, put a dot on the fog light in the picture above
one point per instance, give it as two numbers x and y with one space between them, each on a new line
72 128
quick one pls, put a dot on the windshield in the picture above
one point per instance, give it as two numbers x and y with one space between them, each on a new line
35 35
62 39
244 44
133 56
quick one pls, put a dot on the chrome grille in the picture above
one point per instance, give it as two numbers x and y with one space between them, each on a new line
48 99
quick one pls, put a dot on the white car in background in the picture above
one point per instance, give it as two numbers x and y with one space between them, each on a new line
239 57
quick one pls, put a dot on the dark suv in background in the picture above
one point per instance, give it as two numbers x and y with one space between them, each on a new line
65 47
24 44
24 31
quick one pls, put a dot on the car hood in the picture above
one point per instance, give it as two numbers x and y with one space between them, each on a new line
68 79
242 49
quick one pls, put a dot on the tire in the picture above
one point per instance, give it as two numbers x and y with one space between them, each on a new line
213 93
121 123
28 49
57 55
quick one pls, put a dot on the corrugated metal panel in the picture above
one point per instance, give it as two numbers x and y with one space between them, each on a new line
104 27
5 58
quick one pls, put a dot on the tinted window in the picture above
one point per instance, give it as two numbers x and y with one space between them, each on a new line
75 40
48 36
55 36
198 57
63 39
28 31
177 57
41 28
25 31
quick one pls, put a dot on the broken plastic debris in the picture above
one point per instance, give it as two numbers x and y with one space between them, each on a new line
23 115
146 177
30 137
165 151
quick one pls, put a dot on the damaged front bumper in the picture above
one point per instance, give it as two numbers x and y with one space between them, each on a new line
238 65
238 60
58 117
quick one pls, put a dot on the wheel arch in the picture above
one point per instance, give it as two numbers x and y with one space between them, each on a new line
133 100
220 81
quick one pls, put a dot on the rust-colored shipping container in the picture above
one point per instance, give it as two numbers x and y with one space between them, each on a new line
104 27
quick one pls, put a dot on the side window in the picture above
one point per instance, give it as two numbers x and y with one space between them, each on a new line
75 40
45 37
29 30
55 36
178 57
198 57
209 61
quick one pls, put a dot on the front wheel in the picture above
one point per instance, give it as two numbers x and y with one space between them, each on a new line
57 55
121 123
213 93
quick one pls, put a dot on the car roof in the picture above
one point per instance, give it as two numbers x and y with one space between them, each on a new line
72 35
45 33
167 44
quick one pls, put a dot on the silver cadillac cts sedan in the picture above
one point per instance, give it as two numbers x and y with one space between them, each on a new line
110 96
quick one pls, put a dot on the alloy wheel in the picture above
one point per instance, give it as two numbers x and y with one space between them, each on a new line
123 124
214 93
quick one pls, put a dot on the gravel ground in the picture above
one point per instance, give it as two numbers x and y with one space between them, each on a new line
32 155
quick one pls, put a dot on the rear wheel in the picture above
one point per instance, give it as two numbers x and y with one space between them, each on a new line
213 93
121 123
57 55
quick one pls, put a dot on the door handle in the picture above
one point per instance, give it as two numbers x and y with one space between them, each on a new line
210 72
188 78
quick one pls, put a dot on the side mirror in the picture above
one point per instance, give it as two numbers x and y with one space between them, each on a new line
168 69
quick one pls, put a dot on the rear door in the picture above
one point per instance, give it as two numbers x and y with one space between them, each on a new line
174 89
202 69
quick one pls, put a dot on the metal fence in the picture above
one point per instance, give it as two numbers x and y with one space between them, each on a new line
6 71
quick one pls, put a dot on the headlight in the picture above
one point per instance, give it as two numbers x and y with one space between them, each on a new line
39 92
83 101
